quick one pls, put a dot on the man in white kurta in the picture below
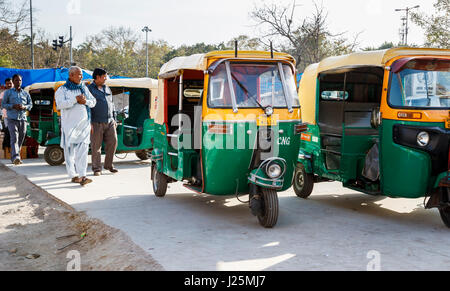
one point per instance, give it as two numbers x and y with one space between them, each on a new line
74 101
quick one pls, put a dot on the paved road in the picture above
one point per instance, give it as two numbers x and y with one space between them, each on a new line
336 229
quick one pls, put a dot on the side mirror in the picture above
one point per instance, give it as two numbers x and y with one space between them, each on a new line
375 119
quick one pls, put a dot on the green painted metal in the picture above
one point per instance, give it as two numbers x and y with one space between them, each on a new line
259 178
226 159
53 141
219 181
313 148
442 177
405 172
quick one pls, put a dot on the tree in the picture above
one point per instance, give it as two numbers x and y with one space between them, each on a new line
14 18
383 46
309 40
436 26
245 43
198 48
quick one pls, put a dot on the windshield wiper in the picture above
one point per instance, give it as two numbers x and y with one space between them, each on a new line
247 92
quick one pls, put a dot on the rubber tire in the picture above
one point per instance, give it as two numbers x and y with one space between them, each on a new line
270 208
303 182
54 155
445 215
143 155
159 182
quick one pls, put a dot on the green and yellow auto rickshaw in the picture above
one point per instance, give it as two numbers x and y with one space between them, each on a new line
132 99
43 119
228 123
379 123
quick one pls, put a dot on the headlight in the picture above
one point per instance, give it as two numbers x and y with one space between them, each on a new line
423 139
274 171
269 111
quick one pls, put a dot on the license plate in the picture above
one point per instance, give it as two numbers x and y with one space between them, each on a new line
267 121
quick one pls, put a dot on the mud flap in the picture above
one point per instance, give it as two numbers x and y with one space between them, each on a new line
372 165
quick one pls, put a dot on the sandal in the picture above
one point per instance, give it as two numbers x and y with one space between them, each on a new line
76 180
85 181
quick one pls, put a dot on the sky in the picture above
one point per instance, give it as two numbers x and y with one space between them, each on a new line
214 21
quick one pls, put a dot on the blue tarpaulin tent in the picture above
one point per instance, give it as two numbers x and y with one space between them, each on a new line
41 75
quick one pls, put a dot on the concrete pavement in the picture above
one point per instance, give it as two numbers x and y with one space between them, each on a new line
336 229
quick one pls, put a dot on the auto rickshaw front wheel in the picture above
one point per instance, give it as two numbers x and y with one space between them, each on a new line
445 211
159 182
270 207
445 215
54 155
303 182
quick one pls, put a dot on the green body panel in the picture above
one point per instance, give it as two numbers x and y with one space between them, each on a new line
313 148
405 172
445 176
227 170
354 151
53 141
129 141
178 167
46 125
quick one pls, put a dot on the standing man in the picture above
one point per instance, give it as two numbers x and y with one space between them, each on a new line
103 124
75 102
8 85
17 102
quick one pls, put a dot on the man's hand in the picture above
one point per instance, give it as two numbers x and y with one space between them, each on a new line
81 99
18 107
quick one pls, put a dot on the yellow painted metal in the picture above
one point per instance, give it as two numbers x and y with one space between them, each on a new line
383 59
201 62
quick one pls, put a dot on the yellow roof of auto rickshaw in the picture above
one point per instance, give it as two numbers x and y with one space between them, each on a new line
308 84
38 86
376 58
133 83
200 62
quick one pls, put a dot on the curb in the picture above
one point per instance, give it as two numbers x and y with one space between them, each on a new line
59 201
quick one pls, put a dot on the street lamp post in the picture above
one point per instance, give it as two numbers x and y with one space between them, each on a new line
146 30
406 29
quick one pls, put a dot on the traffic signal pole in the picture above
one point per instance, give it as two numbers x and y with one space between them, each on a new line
71 52
61 43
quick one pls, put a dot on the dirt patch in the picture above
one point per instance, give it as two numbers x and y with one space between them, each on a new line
36 233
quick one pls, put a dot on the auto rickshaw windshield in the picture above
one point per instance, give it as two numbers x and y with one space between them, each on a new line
254 85
421 84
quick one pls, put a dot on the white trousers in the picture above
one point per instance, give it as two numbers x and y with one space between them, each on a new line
76 156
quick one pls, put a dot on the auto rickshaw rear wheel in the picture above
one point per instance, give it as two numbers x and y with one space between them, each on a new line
270 207
159 182
143 155
303 182
54 155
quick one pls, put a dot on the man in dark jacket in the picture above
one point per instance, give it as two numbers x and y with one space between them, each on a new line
103 124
